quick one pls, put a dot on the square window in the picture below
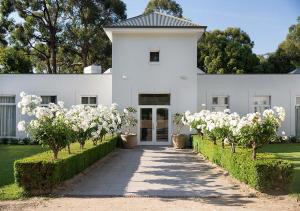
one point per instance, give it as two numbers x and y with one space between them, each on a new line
261 103
220 103
154 56
84 100
48 99
89 100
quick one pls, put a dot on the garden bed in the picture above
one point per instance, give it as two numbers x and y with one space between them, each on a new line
40 173
264 174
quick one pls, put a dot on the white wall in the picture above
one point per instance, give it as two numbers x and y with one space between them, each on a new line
241 89
178 57
67 87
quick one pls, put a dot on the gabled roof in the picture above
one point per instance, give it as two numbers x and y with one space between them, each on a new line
296 71
155 20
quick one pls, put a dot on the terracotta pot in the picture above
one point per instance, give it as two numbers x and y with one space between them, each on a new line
179 141
129 140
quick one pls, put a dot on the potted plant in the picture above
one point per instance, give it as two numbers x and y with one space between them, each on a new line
178 138
129 139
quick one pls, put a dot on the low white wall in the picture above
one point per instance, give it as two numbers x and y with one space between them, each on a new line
67 87
241 89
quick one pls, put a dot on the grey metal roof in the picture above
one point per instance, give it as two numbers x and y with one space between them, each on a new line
296 71
155 20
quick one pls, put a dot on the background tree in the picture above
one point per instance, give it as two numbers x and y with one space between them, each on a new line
14 60
228 51
85 41
287 56
169 7
40 29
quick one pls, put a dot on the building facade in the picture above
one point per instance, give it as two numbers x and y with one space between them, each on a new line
154 69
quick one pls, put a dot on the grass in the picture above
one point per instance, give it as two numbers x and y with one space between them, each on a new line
8 154
289 152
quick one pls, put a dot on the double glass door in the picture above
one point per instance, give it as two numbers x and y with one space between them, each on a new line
154 125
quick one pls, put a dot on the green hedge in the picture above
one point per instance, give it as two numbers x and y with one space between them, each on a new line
264 174
40 173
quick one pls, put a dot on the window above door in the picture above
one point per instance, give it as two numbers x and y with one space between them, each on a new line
154 99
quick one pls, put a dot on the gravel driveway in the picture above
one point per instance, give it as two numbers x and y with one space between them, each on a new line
152 171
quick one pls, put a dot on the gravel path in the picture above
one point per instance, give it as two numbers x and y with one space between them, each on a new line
152 171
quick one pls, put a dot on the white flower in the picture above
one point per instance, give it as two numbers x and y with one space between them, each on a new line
21 126
22 94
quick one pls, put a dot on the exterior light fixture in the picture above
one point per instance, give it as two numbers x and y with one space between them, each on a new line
183 77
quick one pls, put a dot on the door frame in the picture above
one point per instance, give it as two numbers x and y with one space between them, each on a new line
154 123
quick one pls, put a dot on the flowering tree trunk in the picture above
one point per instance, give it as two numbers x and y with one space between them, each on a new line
55 154
69 149
223 145
214 140
232 147
254 148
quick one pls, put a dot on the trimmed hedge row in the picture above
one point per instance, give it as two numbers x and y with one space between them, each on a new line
265 174
39 174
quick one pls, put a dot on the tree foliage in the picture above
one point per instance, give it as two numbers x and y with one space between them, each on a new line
228 51
85 41
40 29
287 56
14 60
62 35
169 7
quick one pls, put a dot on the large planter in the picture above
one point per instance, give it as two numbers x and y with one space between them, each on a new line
129 140
179 141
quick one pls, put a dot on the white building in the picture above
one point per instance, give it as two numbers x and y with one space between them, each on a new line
154 68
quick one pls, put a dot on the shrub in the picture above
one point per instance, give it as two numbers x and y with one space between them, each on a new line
263 174
40 173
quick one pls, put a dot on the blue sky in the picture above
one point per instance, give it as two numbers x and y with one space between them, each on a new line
266 21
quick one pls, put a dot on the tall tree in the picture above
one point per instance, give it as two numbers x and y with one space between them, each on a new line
40 29
287 56
85 41
228 51
169 7
13 60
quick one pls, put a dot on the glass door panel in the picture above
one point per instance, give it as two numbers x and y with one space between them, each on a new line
162 125
146 128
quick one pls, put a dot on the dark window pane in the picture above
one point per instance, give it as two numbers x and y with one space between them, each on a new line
226 101
146 124
93 100
215 101
154 99
7 99
48 99
84 100
154 56
162 128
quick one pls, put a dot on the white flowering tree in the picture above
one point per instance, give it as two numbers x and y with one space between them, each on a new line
56 126
49 126
196 121
259 129
253 130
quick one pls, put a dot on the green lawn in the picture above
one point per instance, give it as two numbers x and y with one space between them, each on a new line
289 152
8 154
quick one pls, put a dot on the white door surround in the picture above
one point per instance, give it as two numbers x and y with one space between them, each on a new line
152 129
